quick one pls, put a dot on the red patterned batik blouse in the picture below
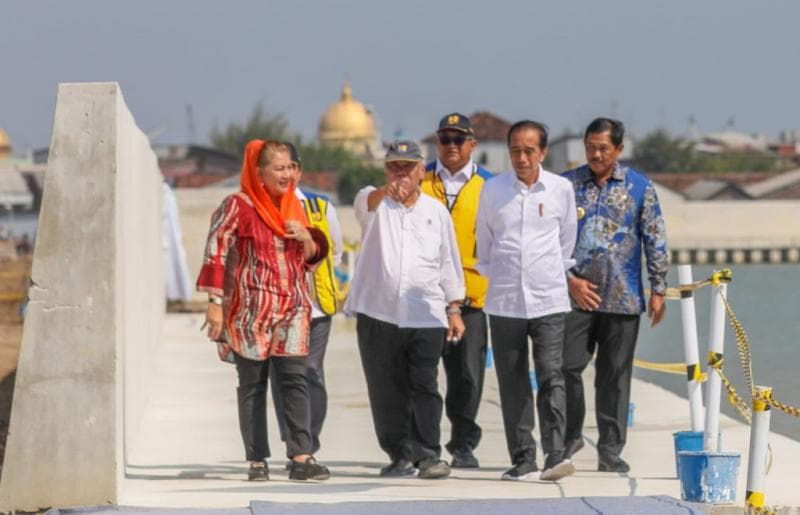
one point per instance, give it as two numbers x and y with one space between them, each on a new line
261 278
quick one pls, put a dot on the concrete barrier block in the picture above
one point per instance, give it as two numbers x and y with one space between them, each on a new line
95 307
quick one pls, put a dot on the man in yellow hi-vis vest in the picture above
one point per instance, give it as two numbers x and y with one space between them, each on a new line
456 181
324 303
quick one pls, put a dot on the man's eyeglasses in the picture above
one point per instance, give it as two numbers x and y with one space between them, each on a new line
458 140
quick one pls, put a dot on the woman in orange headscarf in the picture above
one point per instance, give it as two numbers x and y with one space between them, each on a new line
254 271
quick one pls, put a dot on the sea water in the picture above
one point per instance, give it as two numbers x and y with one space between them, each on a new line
766 301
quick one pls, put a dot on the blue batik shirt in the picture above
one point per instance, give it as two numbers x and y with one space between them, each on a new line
615 222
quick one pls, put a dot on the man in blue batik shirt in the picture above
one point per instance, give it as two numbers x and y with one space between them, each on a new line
618 217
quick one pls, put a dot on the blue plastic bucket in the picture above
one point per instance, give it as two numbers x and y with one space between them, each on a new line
686 441
708 477
690 441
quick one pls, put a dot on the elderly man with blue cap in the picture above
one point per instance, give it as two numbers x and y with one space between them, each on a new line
406 292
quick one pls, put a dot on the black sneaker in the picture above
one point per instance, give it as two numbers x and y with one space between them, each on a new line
258 471
398 468
433 469
309 469
464 459
572 447
522 471
556 467
289 465
612 464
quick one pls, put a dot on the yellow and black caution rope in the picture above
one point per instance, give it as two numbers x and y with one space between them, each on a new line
745 357
692 370
686 290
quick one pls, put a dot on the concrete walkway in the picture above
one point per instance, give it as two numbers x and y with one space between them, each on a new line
190 453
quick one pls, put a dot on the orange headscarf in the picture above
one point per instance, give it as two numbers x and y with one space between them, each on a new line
290 208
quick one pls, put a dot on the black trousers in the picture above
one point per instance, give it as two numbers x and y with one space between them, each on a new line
510 347
465 365
401 367
252 403
315 374
614 337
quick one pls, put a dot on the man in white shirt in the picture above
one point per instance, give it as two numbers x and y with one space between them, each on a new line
526 233
324 303
406 291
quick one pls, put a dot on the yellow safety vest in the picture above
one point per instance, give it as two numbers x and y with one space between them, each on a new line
464 213
324 287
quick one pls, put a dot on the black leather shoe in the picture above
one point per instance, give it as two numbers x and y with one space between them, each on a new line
398 468
308 469
572 447
258 471
612 464
464 459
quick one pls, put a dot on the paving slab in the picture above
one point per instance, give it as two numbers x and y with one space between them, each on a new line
190 455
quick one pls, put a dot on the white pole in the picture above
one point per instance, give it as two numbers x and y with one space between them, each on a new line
716 346
690 349
757 461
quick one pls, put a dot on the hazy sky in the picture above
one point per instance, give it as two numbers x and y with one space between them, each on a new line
563 62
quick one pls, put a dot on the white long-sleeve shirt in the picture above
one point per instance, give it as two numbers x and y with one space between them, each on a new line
408 268
526 236
338 247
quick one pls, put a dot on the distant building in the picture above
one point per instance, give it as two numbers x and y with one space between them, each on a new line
20 180
732 185
15 193
491 131
567 152
726 141
785 185
195 166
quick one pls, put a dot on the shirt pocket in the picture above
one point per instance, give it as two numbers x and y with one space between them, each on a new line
427 239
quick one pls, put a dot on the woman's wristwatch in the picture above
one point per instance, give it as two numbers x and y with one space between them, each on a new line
215 300
453 310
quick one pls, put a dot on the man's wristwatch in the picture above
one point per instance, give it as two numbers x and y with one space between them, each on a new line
215 300
453 310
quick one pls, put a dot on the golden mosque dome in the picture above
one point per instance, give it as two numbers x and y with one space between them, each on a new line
346 121
5 144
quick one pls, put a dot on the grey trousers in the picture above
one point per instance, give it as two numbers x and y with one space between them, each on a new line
315 374
614 336
510 347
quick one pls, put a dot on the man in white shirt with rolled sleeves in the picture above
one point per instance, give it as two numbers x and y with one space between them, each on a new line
406 291
526 233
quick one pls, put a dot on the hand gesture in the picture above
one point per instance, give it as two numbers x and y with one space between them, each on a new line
584 293
295 230
399 190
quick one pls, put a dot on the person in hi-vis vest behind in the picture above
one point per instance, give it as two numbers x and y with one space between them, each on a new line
456 181
324 292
